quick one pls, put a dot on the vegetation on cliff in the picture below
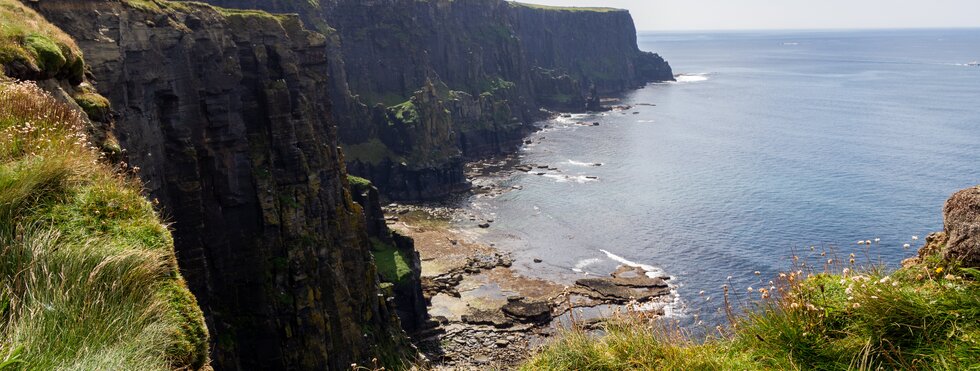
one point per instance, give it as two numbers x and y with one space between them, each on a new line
32 47
88 276
565 8
925 315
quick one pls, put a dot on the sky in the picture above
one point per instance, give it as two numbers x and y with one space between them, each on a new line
790 14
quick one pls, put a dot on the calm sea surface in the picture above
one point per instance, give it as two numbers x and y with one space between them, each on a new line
769 143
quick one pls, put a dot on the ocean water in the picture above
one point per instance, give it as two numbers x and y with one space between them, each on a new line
769 143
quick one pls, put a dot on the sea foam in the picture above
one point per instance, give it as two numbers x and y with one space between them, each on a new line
651 271
693 77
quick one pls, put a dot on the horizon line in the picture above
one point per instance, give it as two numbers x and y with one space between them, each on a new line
828 29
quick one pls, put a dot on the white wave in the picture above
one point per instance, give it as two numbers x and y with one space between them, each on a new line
579 163
791 43
645 121
692 77
652 272
582 264
570 178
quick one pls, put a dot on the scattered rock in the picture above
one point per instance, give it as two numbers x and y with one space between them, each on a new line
502 343
595 124
528 312
536 260
484 225
621 290
492 317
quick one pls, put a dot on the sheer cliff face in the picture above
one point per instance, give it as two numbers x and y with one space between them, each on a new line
594 47
493 64
226 116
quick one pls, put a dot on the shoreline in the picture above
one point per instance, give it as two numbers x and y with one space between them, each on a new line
483 312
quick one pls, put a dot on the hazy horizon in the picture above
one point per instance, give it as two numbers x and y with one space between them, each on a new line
749 15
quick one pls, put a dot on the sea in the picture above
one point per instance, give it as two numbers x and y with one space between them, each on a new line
770 145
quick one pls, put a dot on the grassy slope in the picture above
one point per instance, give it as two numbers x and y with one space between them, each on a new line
27 39
923 316
88 276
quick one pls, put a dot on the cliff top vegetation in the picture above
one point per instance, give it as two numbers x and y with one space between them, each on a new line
30 46
925 315
88 276
566 8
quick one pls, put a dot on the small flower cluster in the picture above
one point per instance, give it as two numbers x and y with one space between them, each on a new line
33 121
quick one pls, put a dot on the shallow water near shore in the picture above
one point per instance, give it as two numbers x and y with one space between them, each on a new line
769 143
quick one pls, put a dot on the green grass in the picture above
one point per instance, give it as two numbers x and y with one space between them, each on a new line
95 106
27 40
357 183
371 152
392 263
923 316
565 8
406 112
88 276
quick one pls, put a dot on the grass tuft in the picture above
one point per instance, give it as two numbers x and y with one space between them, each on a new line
88 276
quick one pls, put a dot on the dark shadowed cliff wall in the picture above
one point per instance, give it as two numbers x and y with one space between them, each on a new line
595 47
420 86
225 115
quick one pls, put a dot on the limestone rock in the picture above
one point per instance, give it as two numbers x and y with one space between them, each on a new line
962 227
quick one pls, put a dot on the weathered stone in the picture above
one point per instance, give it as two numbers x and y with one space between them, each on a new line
962 227
492 317
528 311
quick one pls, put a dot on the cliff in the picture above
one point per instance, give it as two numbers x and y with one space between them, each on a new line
224 113
421 86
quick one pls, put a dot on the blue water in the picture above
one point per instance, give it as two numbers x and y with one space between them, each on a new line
771 143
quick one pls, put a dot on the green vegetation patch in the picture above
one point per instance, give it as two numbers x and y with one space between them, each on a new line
405 113
357 183
88 276
923 316
565 8
392 263
371 152
28 41
95 105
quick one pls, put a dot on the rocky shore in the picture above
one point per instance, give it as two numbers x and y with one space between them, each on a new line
483 312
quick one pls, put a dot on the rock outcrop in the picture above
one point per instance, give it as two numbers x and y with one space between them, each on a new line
421 86
225 114
961 217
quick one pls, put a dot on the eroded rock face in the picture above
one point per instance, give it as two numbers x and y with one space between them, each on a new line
227 117
493 64
962 227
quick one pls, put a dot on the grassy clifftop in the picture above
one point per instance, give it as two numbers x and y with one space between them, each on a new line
32 47
925 315
565 8
88 276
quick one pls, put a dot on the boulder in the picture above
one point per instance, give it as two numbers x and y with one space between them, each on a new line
528 311
962 227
